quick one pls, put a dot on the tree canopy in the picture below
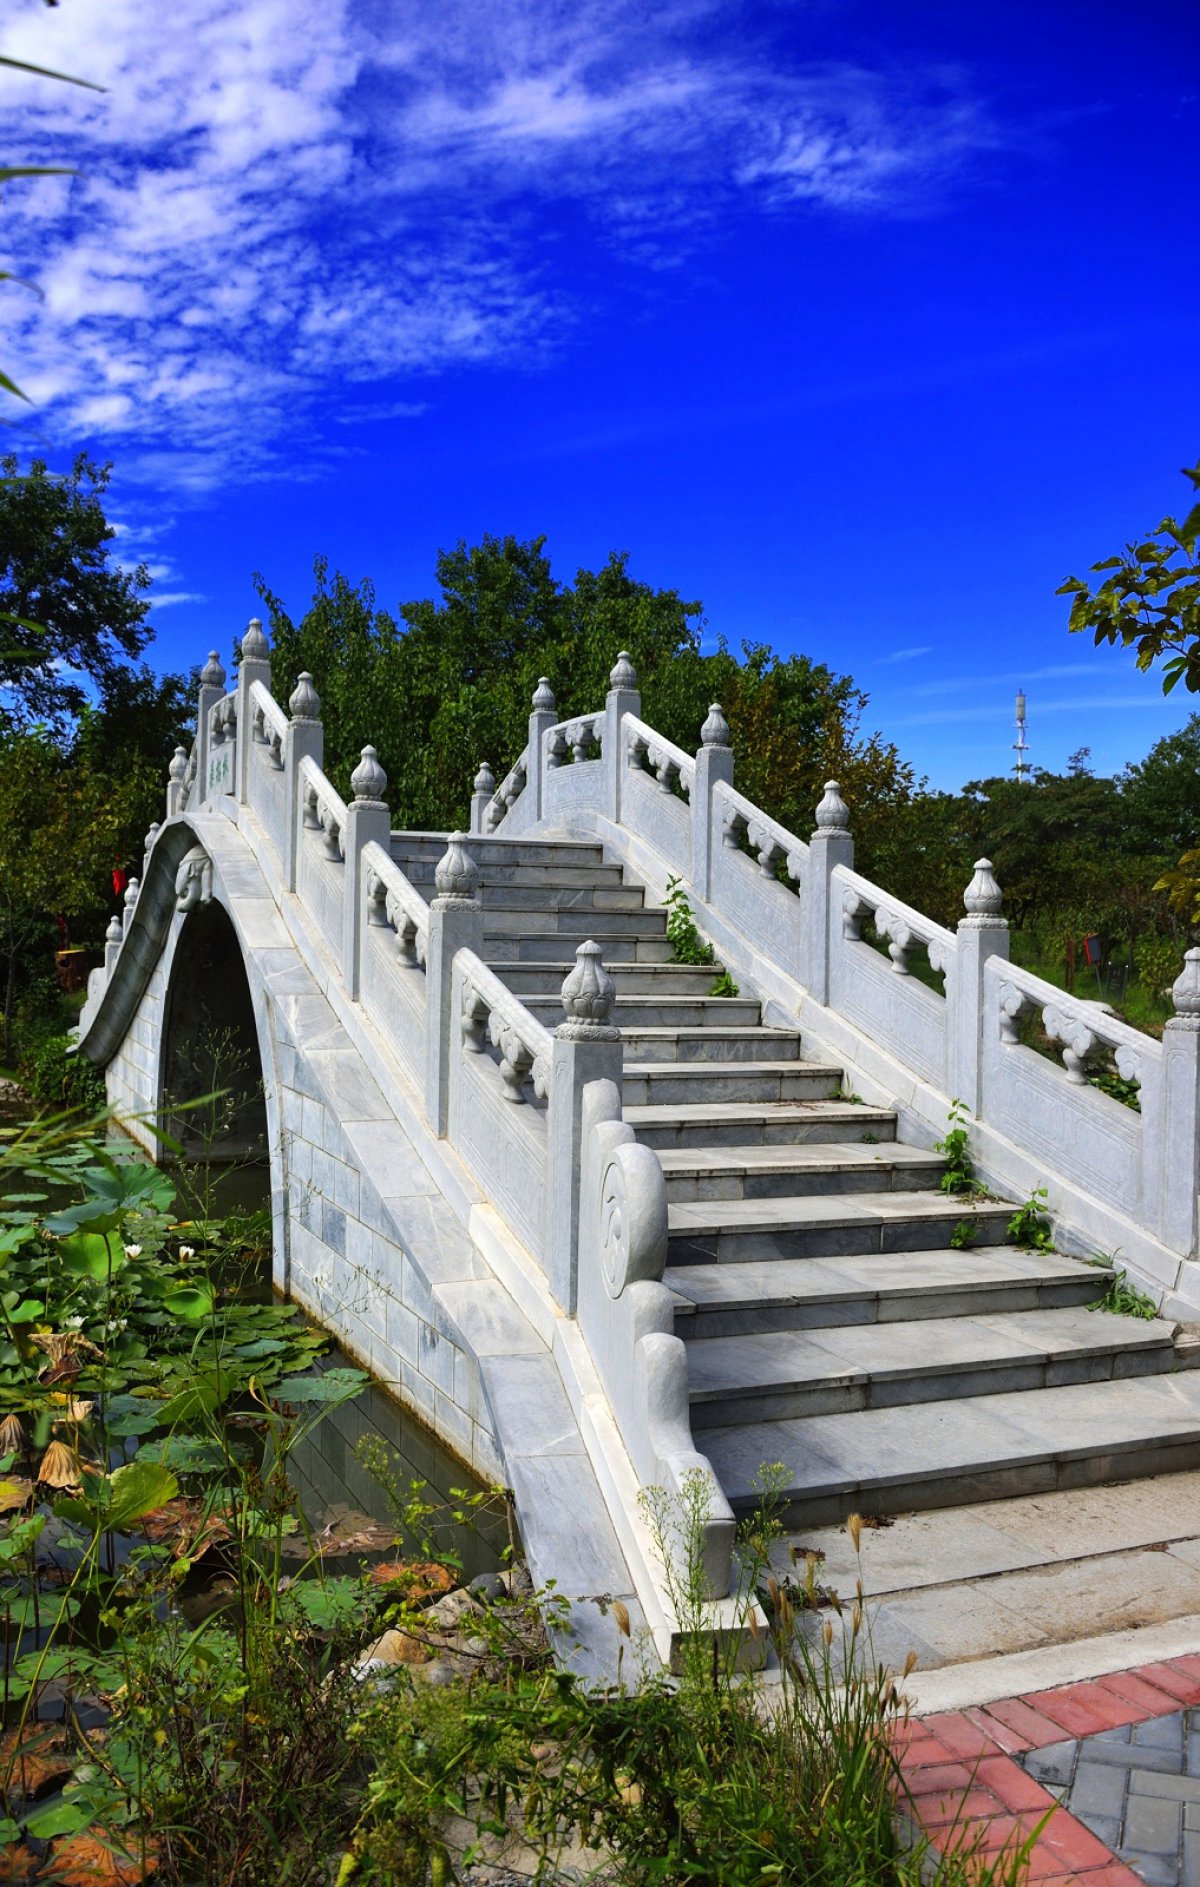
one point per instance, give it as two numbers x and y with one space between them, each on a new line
69 613
1149 599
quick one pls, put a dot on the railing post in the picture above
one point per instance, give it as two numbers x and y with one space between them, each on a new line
112 943
481 798
714 761
305 741
622 699
175 773
543 717
255 665
455 923
586 1048
1180 1166
982 933
367 818
212 687
830 846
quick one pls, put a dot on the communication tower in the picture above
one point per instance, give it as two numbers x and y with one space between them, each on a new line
1021 767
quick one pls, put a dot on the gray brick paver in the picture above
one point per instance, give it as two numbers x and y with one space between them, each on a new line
1055 1763
1152 1826
1157 1870
1098 1789
1169 1788
1160 1733
1190 1876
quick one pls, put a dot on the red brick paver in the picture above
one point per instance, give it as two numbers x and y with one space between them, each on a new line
967 1791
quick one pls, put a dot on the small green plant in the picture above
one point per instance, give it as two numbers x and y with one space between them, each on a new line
59 1077
964 1235
1123 1299
868 1140
851 1098
1030 1225
1129 1093
689 946
959 1175
724 985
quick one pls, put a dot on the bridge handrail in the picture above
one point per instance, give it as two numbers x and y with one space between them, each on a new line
663 755
323 808
508 792
898 923
394 900
267 711
769 839
1080 1024
525 1044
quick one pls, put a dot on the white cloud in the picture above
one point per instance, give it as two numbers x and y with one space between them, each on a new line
281 202
903 655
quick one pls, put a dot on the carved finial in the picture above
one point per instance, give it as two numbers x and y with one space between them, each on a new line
115 931
543 698
1185 990
833 814
624 675
148 842
983 896
255 647
587 996
457 874
715 732
178 766
485 779
212 675
131 893
305 703
368 778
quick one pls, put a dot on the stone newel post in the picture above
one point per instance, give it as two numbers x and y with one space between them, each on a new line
1180 1168
481 798
622 698
255 665
367 818
982 933
544 715
587 1047
175 777
112 944
830 846
212 687
714 761
455 923
305 740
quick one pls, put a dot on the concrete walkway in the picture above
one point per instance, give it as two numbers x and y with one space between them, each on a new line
1100 1778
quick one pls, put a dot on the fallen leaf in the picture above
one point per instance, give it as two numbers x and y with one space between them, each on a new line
18 1865
84 1861
184 1520
13 1493
413 1579
31 1763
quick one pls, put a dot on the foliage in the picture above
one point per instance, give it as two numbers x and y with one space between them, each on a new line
689 946
959 1175
1118 1087
446 683
963 1235
1149 599
58 1076
1030 1225
724 985
69 609
1124 1299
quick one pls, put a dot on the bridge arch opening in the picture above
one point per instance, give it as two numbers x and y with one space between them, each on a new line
213 1100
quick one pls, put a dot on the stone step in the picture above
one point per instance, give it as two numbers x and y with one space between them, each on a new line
783 1375
770 1124
531 979
674 1014
549 900
741 1231
789 1172
660 1084
494 872
712 1044
819 1293
431 845
968 1448
533 947
505 920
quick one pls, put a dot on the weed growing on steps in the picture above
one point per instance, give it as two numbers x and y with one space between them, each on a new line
959 1176
689 946
963 1236
1120 1297
1030 1225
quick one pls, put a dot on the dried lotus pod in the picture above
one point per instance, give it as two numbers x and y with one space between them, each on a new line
12 1435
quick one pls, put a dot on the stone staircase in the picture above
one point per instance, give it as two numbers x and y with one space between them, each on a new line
831 1326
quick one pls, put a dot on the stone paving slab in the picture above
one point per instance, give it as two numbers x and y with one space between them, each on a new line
1100 1781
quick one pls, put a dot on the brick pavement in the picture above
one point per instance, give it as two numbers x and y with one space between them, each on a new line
1101 1779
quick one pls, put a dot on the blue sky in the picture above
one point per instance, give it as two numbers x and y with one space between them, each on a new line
865 323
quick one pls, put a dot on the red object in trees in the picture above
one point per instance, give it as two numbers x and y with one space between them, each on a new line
120 880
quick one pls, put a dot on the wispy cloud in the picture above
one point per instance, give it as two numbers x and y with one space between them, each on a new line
903 655
284 203
996 712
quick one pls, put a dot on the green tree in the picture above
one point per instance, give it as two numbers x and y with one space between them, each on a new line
1160 795
71 614
1149 599
62 825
